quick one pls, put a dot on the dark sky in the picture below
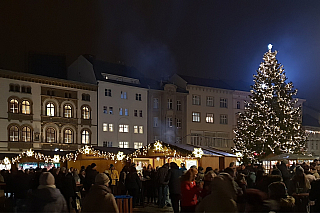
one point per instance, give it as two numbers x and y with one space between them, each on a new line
212 39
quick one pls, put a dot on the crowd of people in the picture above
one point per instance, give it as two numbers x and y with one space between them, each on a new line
246 188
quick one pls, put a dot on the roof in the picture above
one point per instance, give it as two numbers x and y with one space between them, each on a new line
286 156
115 150
308 120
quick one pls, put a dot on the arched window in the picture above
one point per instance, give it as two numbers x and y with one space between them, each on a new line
50 109
67 111
26 134
85 112
51 135
85 137
14 133
26 108
14 106
68 136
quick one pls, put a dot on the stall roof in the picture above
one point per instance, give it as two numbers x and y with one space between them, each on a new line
287 156
115 150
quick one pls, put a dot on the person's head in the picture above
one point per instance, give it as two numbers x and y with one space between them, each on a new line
208 169
149 167
232 165
166 165
209 175
299 171
102 179
46 179
277 190
243 166
182 165
44 170
93 166
71 169
83 167
193 167
132 169
173 165
190 175
63 170
82 172
112 167
230 171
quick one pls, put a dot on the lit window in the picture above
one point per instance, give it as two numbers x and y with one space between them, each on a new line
123 95
123 128
140 129
85 137
85 112
209 118
196 99
138 97
123 144
155 103
110 127
14 133
68 136
51 135
223 103
107 92
155 121
110 110
120 111
210 101
50 109
196 116
67 111
238 104
25 107
169 103
178 105
135 129
178 123
223 119
126 112
169 122
138 145
105 127
105 109
26 134
14 106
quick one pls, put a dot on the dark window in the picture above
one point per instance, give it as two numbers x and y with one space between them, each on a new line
28 89
23 89
11 88
17 88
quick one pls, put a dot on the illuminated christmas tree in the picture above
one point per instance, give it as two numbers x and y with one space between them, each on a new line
270 123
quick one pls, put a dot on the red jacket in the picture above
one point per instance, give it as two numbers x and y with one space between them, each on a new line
189 193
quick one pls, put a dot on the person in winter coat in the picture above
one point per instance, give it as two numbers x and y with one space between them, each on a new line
299 182
100 198
279 201
47 198
189 191
114 175
163 190
91 173
222 197
133 185
174 175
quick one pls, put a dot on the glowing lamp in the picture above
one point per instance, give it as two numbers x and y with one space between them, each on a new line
6 161
197 152
87 150
158 146
269 46
29 153
120 156
56 158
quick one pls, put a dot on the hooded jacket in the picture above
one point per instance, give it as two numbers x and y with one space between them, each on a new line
47 199
99 199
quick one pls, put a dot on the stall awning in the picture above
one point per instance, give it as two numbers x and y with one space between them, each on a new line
287 156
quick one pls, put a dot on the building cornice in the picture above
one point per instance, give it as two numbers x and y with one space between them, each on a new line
46 80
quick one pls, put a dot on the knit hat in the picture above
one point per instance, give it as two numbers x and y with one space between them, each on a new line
46 178
93 165
102 179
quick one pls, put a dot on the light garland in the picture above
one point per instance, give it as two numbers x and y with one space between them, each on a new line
6 161
120 156
158 146
197 152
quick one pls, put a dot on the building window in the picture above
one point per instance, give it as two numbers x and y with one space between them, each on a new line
238 104
135 112
155 103
107 143
26 134
135 129
50 109
85 97
85 137
110 127
126 112
223 103
140 113
178 123
196 116
11 88
25 107
26 89
155 121
105 109
68 136
138 97
138 145
105 127
120 111
223 119
196 99
169 120
107 92
169 103
51 135
123 128
209 118
14 106
17 88
123 144
67 111
123 95
140 129
178 105
210 101
110 110
85 112
14 133
178 139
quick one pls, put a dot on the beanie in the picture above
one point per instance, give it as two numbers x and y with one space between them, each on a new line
93 165
102 179
46 178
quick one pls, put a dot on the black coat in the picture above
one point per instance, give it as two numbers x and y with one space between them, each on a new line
174 180
90 178
162 175
314 195
133 181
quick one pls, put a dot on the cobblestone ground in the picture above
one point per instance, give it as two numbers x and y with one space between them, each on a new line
152 208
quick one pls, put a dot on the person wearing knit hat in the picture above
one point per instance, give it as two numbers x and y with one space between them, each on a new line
47 198
114 175
100 198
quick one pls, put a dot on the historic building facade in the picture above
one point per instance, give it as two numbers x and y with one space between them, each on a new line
46 113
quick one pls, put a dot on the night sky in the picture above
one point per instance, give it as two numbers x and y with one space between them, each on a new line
211 39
